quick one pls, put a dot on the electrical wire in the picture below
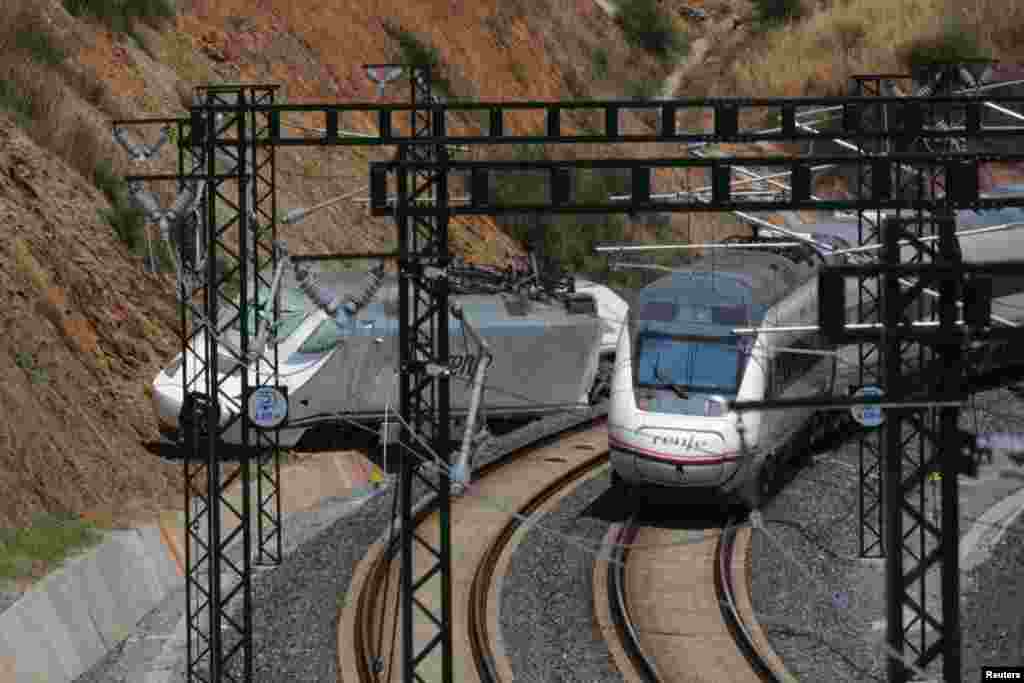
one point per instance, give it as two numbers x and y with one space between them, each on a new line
387 581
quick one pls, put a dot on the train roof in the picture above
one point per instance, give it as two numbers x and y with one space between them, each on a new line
483 308
761 278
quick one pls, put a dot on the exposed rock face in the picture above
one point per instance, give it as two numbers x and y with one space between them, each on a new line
84 328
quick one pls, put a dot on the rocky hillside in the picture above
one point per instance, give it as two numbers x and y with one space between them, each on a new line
85 327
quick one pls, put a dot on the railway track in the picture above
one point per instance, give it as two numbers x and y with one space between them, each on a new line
695 629
532 477
679 609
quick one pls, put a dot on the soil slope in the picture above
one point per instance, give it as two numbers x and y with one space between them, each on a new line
85 327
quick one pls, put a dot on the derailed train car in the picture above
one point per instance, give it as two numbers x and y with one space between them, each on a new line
547 354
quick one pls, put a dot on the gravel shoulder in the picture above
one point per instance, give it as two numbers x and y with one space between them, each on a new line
547 619
823 608
295 606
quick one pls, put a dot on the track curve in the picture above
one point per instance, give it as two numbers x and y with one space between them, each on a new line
481 528
479 630
652 643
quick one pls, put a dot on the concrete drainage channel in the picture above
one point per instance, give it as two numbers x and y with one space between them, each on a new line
74 616
93 604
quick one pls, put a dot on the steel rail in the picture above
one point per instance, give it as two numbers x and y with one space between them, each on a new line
479 637
726 593
619 608
629 637
524 442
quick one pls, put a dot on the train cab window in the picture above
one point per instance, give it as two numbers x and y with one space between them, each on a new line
688 364
294 308
659 311
326 336
581 303
517 306
737 315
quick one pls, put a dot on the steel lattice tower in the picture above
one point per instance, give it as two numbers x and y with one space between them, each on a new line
869 450
424 388
238 232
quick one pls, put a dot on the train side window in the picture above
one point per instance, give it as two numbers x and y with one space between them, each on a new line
790 365
581 303
517 306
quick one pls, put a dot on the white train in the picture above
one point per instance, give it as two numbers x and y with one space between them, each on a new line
679 359
547 354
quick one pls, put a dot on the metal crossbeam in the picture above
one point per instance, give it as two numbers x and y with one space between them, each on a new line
961 170
718 120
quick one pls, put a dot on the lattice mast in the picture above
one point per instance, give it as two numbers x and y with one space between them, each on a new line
238 231
424 388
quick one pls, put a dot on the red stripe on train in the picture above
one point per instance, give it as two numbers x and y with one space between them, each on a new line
691 460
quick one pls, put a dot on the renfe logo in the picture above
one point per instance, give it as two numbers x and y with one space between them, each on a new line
690 441
463 366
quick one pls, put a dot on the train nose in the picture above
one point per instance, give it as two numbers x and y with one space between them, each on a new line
167 400
686 457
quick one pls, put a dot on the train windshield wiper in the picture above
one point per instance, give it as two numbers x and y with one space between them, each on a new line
678 389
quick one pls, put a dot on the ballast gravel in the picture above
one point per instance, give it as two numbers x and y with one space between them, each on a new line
296 605
824 609
547 616
993 618
810 593
818 602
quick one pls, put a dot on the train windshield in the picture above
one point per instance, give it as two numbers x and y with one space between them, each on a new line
709 365
295 306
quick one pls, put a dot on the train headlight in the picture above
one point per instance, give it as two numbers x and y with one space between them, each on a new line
643 399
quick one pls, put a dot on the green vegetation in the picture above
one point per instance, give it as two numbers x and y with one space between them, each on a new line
644 88
649 27
40 46
49 540
127 221
954 44
600 63
567 240
417 53
27 362
771 13
13 99
119 15
519 73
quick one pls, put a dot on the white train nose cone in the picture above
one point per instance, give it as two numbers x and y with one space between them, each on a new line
167 400
683 457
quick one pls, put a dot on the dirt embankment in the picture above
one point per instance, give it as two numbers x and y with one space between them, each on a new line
85 329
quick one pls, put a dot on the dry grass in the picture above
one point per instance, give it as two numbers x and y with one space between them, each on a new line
816 56
44 95
995 24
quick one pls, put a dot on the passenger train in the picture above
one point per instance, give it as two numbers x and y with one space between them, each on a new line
679 360
547 356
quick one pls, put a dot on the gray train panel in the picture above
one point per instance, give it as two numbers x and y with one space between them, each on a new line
545 358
